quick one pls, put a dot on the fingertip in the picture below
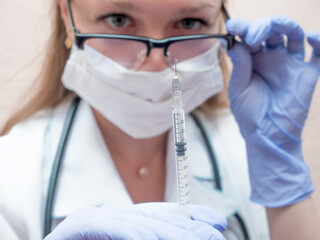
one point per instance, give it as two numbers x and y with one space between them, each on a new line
239 54
280 19
313 36
253 41
210 216
237 26
314 40
286 25
258 31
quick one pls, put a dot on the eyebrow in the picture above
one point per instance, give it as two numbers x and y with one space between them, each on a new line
124 5
188 10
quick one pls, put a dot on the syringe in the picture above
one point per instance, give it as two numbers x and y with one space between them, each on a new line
179 134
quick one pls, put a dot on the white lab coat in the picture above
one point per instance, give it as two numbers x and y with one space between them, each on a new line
89 177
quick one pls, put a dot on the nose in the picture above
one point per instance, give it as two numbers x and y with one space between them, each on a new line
155 62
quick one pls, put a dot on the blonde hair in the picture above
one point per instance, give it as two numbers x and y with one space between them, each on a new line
51 91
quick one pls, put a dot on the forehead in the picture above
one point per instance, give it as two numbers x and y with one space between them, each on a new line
183 6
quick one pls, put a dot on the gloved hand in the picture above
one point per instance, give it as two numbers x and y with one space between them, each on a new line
270 93
141 221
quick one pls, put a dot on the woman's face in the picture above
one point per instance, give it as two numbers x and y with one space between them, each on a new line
149 18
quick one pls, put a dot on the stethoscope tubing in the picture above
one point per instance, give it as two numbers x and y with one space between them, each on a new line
57 165
60 155
215 168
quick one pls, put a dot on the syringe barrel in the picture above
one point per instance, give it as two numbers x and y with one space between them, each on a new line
179 125
183 180
179 131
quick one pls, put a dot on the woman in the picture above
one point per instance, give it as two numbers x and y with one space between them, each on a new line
119 150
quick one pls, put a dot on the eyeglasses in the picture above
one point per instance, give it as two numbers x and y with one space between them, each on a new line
130 51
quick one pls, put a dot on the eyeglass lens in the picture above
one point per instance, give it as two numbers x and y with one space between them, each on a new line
130 54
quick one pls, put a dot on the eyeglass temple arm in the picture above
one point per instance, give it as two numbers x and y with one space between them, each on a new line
73 28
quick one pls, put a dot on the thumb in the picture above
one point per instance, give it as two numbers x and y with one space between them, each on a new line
208 215
242 69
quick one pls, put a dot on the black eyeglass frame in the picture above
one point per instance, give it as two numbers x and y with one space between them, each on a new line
150 43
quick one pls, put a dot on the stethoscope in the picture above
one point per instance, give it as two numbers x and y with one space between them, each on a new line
60 155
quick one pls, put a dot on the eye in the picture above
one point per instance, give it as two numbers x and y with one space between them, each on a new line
192 23
118 20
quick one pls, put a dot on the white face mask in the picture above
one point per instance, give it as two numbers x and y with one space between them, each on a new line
139 102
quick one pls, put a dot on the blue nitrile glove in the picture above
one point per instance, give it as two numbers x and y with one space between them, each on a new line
141 221
270 93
